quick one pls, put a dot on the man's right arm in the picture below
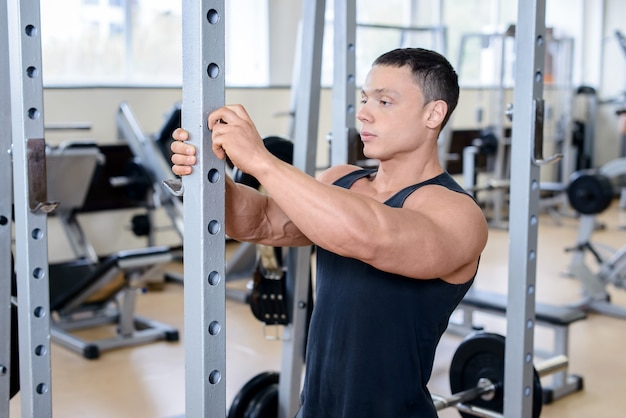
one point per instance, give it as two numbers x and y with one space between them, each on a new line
254 217
250 215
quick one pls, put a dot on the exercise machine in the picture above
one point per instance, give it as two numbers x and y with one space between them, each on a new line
92 290
590 193
494 115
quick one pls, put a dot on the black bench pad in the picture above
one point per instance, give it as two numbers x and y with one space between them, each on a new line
495 302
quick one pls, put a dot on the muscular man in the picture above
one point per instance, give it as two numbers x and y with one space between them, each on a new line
397 247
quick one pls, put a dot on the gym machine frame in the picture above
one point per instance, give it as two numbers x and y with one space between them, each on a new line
24 151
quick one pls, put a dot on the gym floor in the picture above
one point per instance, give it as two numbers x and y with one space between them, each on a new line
148 381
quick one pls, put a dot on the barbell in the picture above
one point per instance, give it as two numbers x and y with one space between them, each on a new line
476 381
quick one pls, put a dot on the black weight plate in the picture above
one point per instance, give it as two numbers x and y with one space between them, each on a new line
481 355
264 404
589 192
249 391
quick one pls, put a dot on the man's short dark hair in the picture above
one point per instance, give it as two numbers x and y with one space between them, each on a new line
433 73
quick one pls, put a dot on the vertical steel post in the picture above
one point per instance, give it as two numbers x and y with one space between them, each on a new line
31 206
304 158
204 240
344 83
524 207
6 202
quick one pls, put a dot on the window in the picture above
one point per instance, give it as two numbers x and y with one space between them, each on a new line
139 42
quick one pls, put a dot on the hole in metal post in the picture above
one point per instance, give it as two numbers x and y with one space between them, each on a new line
42 388
214 377
213 16
213 176
214 328
38 273
4 220
37 233
213 70
214 227
39 312
33 113
40 350
32 72
214 278
30 30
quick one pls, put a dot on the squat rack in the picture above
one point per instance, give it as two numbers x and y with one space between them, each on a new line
24 189
203 91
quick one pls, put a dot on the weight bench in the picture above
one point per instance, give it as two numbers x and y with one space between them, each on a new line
84 294
557 318
92 290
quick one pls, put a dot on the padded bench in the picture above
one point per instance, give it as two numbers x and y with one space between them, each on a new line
557 318
85 294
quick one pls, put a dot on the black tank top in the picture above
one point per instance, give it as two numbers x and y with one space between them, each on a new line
373 334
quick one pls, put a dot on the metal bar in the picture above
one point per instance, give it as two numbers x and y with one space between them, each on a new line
204 240
31 240
344 84
483 387
552 365
400 27
6 202
478 411
524 212
304 158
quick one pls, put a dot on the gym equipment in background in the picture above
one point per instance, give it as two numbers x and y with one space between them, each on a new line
93 290
590 193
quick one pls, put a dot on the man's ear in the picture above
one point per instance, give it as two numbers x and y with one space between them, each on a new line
437 113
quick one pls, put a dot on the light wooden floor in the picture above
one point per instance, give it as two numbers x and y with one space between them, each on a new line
148 381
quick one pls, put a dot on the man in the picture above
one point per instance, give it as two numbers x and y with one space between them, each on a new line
397 247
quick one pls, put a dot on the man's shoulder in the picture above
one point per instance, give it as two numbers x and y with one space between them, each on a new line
332 174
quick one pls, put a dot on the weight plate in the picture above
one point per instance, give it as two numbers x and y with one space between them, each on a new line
481 355
264 404
249 391
589 192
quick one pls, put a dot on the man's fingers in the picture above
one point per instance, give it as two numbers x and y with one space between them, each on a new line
226 115
180 134
182 148
181 170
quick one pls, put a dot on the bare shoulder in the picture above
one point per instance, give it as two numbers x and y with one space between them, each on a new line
331 174
438 199
459 225
453 213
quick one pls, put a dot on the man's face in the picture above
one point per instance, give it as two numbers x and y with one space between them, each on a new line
392 112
